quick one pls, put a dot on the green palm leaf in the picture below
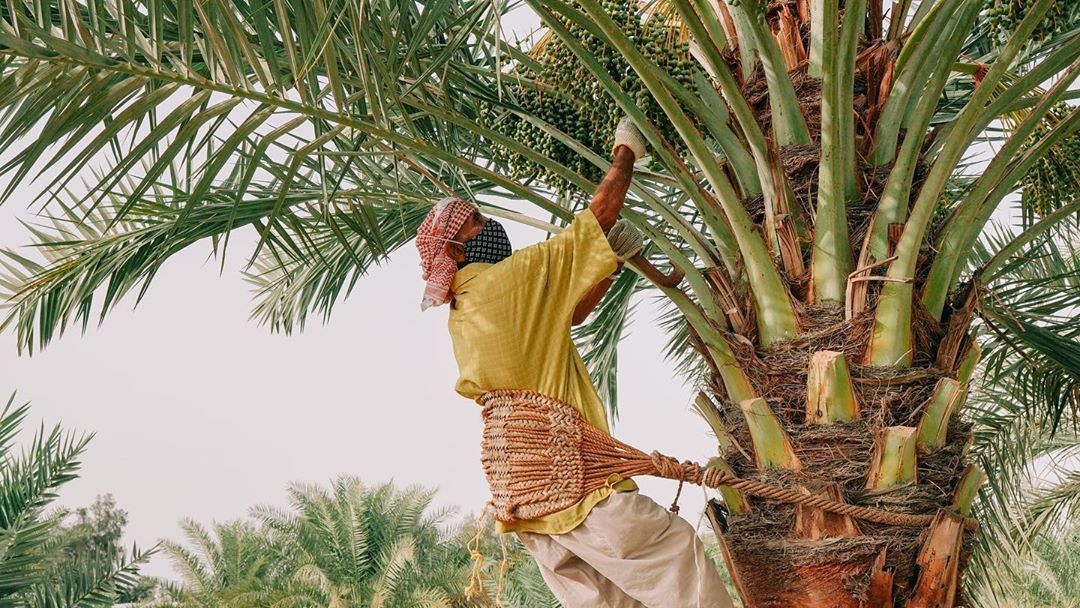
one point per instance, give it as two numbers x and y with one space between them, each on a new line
34 569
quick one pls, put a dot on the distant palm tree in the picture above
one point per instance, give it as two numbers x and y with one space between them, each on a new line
232 564
36 568
818 171
525 586
348 546
376 547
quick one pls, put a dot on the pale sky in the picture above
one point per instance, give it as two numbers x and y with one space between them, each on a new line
199 412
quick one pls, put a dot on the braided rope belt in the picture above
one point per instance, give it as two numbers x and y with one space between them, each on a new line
541 456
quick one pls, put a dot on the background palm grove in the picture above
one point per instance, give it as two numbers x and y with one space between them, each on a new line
855 324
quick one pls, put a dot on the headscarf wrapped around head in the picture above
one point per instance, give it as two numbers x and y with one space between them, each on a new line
439 227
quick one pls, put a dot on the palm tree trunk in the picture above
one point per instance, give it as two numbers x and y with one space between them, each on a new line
824 421
781 555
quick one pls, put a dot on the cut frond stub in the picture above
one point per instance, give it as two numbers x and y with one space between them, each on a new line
812 523
894 459
830 396
934 424
772 448
968 488
939 563
735 500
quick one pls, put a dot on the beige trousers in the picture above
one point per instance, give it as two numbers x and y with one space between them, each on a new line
628 553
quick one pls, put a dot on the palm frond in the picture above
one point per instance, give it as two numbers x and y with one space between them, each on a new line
1031 328
29 481
213 119
679 349
1024 500
35 568
188 565
337 250
90 581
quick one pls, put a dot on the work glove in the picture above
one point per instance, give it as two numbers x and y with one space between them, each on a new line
627 134
625 240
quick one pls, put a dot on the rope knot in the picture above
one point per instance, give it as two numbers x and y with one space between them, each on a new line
666 466
714 478
691 472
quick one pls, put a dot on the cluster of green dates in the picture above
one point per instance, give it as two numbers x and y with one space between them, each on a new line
562 92
1051 181
1002 17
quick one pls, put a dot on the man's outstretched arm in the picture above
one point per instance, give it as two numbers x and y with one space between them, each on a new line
607 202
610 196
606 205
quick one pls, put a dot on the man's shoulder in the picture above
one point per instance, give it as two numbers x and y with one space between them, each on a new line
468 274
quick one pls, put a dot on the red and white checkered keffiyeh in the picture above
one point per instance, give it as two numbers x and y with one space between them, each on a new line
441 225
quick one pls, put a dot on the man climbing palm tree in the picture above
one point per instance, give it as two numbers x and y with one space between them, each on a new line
510 321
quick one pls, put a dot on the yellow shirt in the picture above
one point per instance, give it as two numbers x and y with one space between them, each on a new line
510 326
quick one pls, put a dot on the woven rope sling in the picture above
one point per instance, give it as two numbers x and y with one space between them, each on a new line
541 456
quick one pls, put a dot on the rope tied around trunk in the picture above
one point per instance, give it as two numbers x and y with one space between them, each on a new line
541 456
692 472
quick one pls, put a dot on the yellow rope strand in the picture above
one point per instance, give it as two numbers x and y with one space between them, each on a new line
504 565
476 576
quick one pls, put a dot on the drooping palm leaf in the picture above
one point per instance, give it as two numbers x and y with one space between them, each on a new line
1029 307
34 569
1025 499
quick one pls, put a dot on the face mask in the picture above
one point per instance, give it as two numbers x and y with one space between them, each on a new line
490 246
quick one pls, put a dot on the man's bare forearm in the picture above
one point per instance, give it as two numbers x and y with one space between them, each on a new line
606 205
608 201
585 307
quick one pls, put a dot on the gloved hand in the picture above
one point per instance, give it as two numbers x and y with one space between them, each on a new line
627 134
625 240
